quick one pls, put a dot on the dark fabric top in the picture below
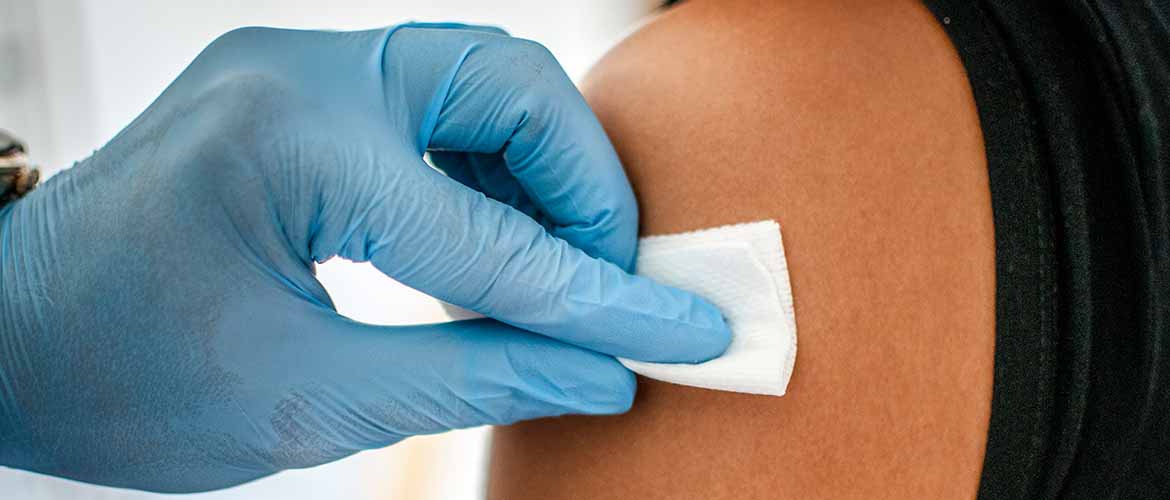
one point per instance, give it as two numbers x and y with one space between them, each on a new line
1074 102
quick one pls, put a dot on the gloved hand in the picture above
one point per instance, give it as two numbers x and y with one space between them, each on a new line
160 323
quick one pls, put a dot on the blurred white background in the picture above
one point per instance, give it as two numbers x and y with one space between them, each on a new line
74 72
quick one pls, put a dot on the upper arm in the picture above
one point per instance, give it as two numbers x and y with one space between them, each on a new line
852 125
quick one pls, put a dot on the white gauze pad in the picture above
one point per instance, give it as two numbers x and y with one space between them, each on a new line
741 269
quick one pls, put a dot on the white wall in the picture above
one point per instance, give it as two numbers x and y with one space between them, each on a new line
84 69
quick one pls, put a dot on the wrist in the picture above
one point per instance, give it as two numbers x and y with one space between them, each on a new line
9 414
16 342
16 315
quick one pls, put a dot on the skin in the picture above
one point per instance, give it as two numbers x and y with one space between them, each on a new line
853 125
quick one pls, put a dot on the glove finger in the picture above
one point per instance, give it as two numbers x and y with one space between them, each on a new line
376 385
482 28
456 244
501 95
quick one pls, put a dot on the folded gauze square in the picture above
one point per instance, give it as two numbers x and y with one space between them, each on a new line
741 269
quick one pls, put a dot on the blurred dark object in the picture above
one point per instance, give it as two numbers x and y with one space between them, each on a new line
17 177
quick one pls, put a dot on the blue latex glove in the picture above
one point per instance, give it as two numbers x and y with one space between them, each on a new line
160 323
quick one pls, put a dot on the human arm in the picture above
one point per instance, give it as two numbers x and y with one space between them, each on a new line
852 124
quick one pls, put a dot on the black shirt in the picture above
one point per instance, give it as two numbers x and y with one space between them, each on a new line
1074 103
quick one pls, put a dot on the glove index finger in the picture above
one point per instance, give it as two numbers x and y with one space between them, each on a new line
485 256
510 98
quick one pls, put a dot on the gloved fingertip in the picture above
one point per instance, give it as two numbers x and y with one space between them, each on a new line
617 396
709 335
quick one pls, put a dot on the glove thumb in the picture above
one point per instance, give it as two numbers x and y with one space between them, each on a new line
377 385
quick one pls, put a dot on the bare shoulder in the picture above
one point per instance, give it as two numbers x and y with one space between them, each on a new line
852 124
